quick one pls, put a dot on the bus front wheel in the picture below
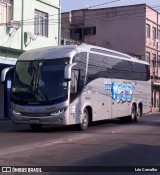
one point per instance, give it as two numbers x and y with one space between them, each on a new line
85 121
36 127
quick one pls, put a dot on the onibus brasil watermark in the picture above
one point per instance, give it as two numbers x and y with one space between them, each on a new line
8 169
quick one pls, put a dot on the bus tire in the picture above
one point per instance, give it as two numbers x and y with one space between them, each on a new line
36 127
133 115
139 113
85 121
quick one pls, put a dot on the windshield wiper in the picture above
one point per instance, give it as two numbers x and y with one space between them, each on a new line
39 93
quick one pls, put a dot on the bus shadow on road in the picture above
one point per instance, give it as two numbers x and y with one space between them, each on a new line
130 154
119 160
9 126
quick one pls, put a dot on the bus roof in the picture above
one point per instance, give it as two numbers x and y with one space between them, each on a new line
62 51
49 52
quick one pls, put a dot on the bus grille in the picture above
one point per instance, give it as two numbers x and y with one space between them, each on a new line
35 114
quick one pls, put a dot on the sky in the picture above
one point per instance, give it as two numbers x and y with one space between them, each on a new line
68 5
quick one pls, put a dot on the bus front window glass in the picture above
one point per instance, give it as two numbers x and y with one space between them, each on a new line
40 81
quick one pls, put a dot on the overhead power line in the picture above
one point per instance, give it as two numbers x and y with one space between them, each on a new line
89 7
88 18
103 4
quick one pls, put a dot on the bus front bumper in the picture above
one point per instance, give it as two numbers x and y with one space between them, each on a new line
57 120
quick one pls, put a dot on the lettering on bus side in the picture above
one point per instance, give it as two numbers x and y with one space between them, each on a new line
120 91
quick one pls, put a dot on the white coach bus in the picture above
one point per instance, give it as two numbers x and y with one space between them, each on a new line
78 84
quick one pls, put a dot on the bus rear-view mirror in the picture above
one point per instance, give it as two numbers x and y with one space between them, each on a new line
68 70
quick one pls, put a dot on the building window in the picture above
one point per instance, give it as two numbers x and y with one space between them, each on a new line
90 31
6 12
147 31
154 33
154 60
148 57
76 34
158 35
41 23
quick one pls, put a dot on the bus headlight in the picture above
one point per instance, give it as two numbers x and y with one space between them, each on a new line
57 112
16 112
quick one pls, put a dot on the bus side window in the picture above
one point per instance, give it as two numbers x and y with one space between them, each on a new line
74 81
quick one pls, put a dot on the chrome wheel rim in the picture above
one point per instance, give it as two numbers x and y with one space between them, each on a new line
85 120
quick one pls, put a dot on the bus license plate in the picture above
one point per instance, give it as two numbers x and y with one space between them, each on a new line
34 121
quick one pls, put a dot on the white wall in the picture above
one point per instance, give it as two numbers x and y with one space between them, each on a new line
14 40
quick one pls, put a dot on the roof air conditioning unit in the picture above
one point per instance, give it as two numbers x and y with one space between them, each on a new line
14 24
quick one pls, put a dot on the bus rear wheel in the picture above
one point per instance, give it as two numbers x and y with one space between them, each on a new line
36 127
85 121
139 113
133 116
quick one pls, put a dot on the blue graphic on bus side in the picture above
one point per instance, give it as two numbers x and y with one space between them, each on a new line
120 91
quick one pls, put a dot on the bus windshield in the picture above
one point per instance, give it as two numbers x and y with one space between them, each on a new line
39 82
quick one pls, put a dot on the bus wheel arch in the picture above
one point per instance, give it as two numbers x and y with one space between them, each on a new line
86 119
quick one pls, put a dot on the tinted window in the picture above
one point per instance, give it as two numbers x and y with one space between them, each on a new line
39 82
81 59
140 72
117 68
96 67
100 66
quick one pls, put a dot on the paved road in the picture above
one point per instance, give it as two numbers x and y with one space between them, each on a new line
108 143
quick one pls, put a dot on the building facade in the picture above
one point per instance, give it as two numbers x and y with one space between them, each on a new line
28 24
134 30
